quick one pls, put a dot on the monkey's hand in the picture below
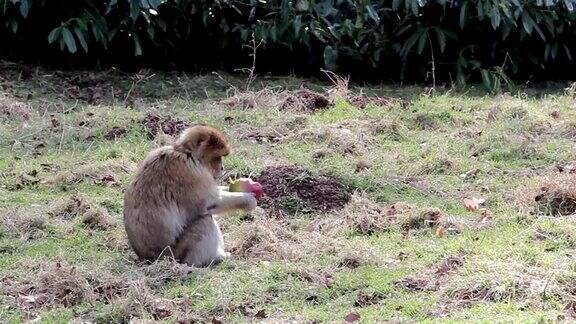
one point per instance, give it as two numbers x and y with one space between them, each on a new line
228 201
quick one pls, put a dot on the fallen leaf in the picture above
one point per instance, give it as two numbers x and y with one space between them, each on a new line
472 204
352 317
440 231
261 314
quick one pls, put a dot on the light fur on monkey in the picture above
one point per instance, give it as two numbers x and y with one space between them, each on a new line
169 206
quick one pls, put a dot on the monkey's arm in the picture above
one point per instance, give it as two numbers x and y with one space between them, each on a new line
228 201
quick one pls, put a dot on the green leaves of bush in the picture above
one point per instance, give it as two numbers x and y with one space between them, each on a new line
490 41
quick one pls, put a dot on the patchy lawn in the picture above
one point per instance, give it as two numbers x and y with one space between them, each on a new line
384 203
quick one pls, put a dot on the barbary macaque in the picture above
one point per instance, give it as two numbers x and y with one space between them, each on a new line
169 207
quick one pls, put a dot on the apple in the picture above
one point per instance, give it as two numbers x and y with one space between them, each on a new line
246 185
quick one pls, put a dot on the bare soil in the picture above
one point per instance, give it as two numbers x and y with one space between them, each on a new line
295 189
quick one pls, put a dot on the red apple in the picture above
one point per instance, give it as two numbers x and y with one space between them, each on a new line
246 185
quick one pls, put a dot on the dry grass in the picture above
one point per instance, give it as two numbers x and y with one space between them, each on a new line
265 98
14 109
90 214
270 239
23 224
339 139
554 195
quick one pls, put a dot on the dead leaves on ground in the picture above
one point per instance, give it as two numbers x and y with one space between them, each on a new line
472 204
352 317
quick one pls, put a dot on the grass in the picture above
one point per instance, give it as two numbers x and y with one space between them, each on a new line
65 256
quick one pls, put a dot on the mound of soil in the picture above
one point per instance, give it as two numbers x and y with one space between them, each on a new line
305 100
295 189
114 133
171 126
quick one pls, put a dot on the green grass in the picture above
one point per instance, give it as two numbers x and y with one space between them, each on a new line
416 155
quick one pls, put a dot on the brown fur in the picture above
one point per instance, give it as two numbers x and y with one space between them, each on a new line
169 205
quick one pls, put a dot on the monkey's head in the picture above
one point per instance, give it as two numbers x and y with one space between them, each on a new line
206 144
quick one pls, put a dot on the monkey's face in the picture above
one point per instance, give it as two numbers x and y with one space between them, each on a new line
206 144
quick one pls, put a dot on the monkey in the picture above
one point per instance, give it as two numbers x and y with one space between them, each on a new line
169 206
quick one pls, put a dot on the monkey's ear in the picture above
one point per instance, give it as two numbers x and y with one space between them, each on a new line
191 140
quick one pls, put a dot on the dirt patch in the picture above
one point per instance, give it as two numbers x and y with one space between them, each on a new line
365 101
98 175
86 86
294 189
114 133
272 133
168 125
306 101
89 87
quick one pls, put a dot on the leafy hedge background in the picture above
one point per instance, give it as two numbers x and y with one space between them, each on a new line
411 40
